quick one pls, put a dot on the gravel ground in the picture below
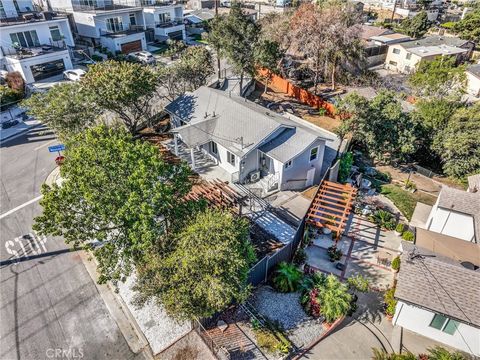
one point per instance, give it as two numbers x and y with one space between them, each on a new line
300 328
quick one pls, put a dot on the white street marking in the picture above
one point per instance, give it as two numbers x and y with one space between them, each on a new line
46 144
35 242
20 207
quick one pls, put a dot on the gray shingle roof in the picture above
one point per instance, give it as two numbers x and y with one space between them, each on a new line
238 125
474 69
434 41
463 202
439 284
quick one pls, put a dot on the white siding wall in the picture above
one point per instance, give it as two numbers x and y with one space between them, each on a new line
403 65
152 17
222 158
451 223
300 165
466 338
85 24
115 44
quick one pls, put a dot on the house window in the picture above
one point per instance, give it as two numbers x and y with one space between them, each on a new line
396 51
314 153
133 20
164 18
3 14
288 164
394 63
409 56
114 24
230 158
213 148
25 39
444 324
55 33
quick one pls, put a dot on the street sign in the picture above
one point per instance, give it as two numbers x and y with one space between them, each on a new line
56 148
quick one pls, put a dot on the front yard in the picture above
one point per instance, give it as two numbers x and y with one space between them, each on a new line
405 200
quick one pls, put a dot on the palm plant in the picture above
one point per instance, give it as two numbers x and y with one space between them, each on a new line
382 355
334 299
287 277
440 353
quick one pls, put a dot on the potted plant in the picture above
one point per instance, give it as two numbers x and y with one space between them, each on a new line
390 303
334 254
408 236
400 228
396 264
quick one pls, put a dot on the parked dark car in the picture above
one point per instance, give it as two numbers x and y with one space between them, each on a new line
9 124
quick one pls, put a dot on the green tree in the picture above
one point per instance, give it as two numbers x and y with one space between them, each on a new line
206 271
415 27
469 27
191 71
117 192
235 36
267 56
381 125
458 143
126 89
335 301
66 108
439 78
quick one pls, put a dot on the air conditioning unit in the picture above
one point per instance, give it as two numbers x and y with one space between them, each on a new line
255 176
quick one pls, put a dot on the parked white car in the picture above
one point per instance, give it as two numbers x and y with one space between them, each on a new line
144 57
74 74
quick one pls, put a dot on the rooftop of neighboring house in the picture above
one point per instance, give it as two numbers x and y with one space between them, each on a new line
202 14
463 202
474 70
439 284
240 125
369 30
31 18
391 38
434 41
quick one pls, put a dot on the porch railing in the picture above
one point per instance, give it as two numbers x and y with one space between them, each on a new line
273 181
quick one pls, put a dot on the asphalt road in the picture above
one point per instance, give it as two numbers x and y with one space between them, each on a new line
49 306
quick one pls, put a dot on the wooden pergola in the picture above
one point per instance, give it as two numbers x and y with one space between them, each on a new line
217 193
331 206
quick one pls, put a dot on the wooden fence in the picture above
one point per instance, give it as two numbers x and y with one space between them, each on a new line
297 92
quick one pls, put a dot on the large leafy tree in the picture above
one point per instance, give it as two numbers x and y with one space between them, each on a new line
469 27
268 56
123 88
67 108
117 192
439 78
458 144
191 71
206 271
380 124
235 36
415 27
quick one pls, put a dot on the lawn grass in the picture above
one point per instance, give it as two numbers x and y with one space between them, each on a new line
404 200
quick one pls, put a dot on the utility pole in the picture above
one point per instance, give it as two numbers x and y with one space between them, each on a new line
219 72
394 8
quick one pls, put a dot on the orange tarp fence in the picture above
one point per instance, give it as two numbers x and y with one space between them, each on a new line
296 92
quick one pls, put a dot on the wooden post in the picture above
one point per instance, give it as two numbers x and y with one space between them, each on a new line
192 155
175 137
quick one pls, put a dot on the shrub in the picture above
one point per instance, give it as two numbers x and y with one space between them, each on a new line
96 58
287 277
8 97
358 283
346 163
408 236
271 338
15 82
385 177
400 228
383 218
409 185
300 257
266 340
390 302
396 263
335 301
322 111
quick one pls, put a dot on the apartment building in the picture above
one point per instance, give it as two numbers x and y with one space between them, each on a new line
124 26
34 43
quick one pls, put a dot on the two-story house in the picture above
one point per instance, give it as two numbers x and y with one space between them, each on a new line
405 57
36 44
124 26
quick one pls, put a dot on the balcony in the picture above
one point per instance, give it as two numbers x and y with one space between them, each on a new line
169 24
31 17
123 30
21 53
107 5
